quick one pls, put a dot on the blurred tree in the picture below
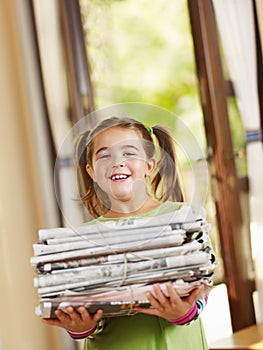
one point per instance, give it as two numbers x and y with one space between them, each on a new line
142 52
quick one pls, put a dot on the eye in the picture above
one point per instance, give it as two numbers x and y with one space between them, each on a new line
129 154
104 156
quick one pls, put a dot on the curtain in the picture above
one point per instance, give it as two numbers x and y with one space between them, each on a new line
259 9
235 21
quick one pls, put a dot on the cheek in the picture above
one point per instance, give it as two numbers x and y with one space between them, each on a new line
100 170
140 168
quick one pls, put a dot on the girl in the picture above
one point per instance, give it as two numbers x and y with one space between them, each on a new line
122 177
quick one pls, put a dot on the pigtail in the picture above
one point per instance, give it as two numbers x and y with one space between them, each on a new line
89 190
166 183
81 157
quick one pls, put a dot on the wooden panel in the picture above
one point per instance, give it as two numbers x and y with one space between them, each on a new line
249 338
234 243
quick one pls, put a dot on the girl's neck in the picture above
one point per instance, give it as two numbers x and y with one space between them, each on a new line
125 209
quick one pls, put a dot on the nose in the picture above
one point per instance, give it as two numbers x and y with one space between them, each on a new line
119 162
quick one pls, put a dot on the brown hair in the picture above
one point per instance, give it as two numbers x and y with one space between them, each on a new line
164 183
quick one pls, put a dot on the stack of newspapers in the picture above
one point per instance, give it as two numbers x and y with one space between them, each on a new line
110 265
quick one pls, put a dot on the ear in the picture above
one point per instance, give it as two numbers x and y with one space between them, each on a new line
90 171
150 166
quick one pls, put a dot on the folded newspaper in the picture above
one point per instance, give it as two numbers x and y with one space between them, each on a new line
111 265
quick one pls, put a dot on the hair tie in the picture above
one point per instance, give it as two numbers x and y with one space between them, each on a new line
149 128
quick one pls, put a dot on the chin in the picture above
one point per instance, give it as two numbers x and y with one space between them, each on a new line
123 198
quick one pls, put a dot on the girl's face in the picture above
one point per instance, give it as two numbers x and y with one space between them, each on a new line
119 163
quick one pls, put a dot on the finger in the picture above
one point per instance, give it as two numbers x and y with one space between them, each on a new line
152 299
61 315
67 316
98 315
164 300
193 295
84 314
73 314
147 311
51 321
154 302
159 293
174 296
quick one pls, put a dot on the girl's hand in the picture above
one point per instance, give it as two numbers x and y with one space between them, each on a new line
169 307
74 320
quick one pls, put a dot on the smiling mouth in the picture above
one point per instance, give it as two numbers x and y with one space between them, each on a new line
119 177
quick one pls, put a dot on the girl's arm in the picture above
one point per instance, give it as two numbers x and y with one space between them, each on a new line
176 309
193 314
82 335
78 323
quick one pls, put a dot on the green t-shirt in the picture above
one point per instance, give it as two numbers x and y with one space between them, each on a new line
146 332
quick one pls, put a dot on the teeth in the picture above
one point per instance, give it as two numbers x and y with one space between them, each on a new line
119 177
